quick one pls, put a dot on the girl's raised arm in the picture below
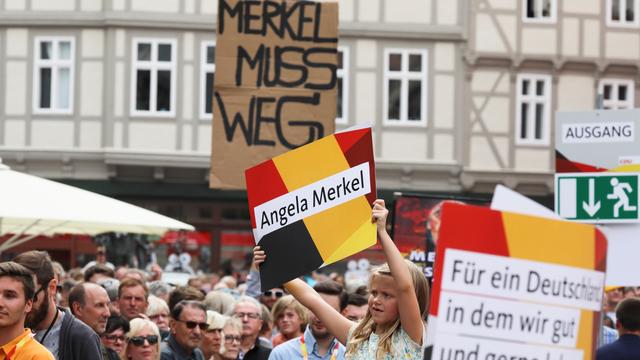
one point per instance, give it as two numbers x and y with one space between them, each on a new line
408 306
337 324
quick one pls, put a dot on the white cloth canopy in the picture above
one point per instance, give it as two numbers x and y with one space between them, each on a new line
35 206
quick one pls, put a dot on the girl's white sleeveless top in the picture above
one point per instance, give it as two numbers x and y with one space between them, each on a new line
402 347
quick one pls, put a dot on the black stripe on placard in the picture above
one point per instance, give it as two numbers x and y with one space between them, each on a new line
290 253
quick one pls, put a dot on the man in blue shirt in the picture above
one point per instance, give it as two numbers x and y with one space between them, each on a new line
316 343
627 347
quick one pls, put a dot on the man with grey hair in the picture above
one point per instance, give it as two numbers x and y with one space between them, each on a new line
248 311
160 289
188 323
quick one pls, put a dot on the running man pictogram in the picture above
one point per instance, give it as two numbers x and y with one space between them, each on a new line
620 192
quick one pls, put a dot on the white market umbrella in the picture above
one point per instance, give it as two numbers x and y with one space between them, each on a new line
30 205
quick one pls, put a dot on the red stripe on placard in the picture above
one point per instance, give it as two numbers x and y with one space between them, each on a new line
601 251
347 139
266 183
470 228
357 146
564 165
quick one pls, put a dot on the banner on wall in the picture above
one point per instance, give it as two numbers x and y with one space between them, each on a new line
311 206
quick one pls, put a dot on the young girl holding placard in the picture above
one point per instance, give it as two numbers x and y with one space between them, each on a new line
399 293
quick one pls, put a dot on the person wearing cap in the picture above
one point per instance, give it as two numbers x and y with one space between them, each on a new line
627 347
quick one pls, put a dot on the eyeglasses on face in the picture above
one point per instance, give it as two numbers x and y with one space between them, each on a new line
193 324
231 338
252 316
139 340
274 293
115 338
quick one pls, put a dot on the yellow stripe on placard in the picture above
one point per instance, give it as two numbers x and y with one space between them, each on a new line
627 168
329 235
315 162
585 333
296 169
363 237
531 238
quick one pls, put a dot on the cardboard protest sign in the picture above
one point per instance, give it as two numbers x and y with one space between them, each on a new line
275 83
514 286
312 206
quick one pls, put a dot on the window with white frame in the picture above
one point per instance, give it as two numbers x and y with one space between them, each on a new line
53 75
342 73
405 87
207 77
616 93
539 10
623 13
153 77
533 109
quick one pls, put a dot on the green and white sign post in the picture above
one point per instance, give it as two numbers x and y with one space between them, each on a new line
598 197
598 166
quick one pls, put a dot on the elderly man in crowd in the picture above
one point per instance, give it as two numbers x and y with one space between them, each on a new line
188 322
90 304
248 311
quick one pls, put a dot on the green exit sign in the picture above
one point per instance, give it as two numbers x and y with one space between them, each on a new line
598 197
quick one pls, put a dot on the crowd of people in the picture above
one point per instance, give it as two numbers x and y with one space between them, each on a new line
104 312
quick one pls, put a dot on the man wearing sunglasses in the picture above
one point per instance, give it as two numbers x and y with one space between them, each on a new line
270 297
187 324
66 337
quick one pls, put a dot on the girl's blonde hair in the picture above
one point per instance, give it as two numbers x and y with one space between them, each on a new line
367 326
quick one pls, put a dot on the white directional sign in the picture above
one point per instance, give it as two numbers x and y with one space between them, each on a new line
597 165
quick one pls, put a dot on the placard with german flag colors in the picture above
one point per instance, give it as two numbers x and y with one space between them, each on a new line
311 206
511 286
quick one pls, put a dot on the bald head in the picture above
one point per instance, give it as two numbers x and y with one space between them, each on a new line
90 303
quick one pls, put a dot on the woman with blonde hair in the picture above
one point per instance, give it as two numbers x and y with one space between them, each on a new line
143 341
158 312
212 337
290 318
232 336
